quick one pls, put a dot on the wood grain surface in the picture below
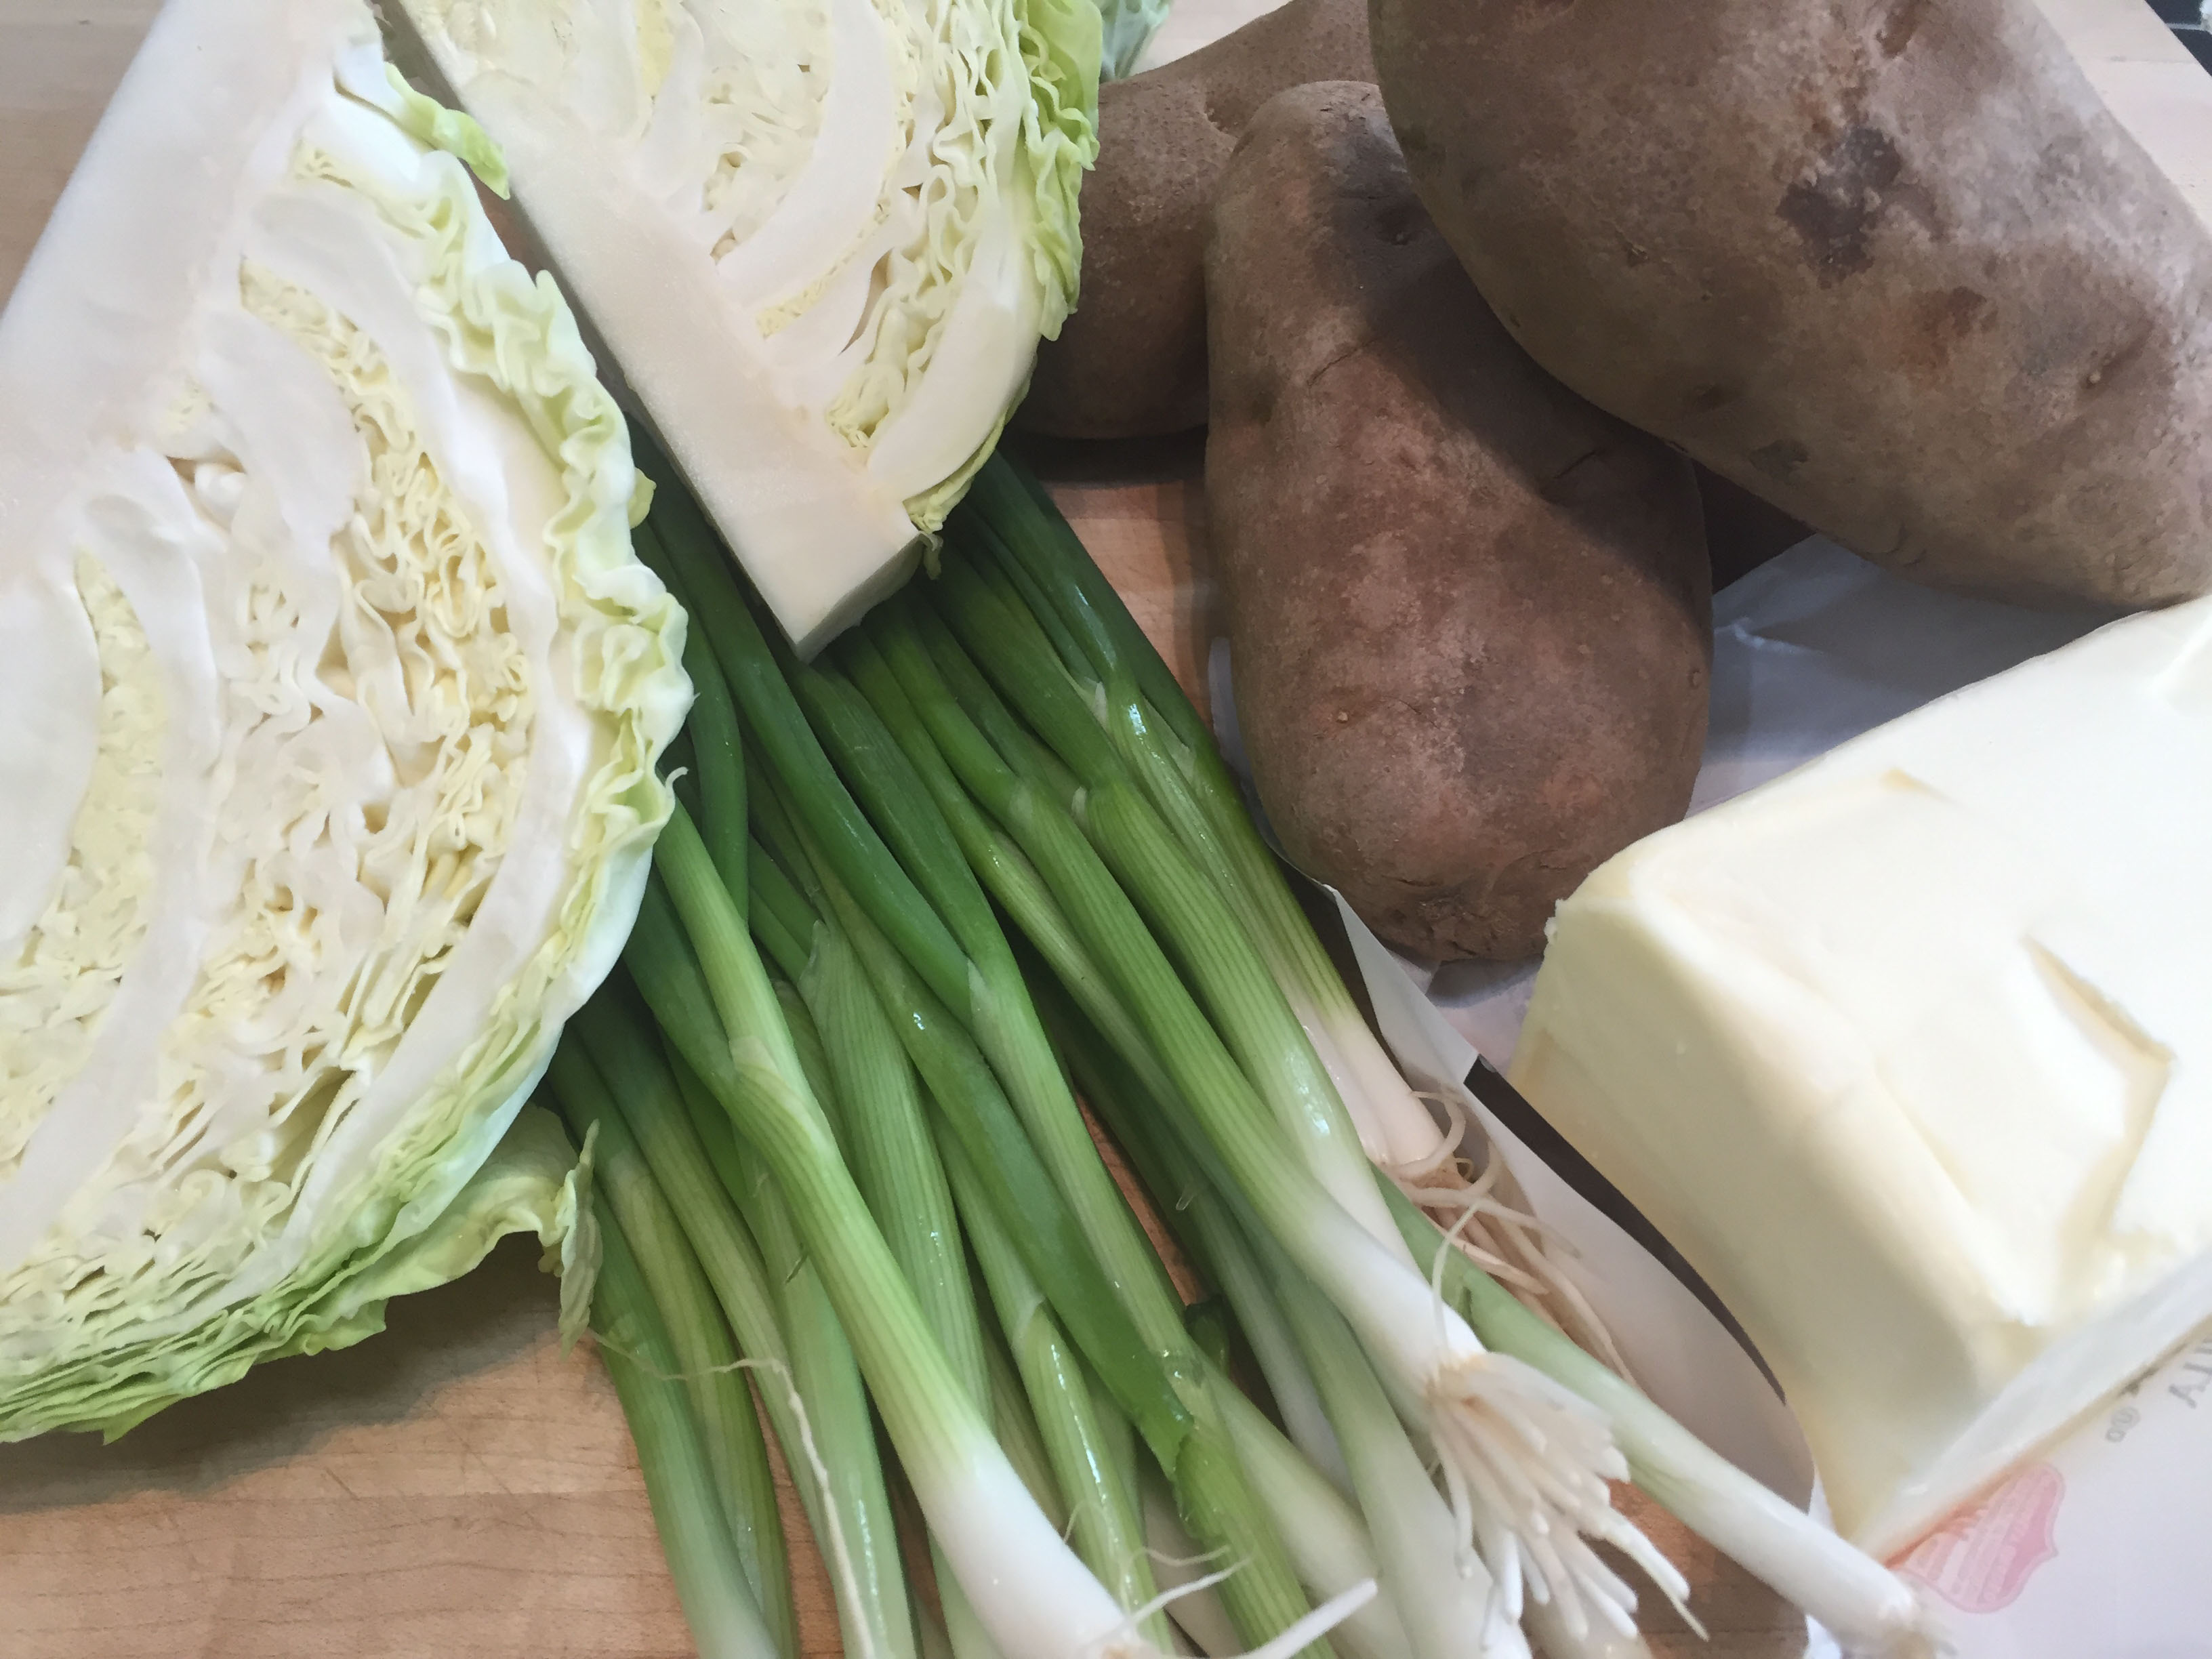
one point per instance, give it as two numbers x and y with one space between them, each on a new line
458 1485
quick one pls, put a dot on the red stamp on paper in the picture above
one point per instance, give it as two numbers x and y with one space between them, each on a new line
1982 1557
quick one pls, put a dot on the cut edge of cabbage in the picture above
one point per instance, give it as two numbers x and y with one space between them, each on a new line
93 360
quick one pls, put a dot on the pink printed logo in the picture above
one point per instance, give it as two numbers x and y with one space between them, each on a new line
1981 1558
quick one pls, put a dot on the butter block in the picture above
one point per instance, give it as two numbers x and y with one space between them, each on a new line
1910 1053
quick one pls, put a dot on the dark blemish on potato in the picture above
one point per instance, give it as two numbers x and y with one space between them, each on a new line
1633 254
1940 320
1901 25
1781 458
1835 209
1705 399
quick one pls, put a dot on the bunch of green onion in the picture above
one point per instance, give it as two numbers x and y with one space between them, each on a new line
980 860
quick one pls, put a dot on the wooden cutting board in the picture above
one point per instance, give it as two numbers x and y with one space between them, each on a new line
459 1485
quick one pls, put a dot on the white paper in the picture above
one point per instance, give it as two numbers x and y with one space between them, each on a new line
2097 1547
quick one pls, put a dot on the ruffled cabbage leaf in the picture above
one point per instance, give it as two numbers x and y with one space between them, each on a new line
333 693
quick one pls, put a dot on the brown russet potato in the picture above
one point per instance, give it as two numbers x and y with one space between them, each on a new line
1131 361
1891 265
1470 614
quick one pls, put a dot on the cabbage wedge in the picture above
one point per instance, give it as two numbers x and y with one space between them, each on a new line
822 237
330 696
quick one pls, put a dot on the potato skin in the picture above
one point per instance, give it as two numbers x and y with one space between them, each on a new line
1469 615
1889 264
1131 361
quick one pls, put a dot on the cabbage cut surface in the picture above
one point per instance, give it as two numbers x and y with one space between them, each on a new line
822 237
330 691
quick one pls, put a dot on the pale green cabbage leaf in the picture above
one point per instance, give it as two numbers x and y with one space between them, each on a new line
822 238
333 694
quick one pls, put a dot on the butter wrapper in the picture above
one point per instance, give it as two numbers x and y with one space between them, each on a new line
2096 1548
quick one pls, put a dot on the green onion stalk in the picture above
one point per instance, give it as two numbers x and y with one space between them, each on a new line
1031 1591
877 1125
1527 1462
854 1442
1003 1172
711 1578
977 1113
971 981
755 1300
1136 842
1115 1441
1436 1601
1444 1598
706 1355
1138 700
1130 1107
895 1164
1016 1427
1107 1532
826 1434
1330 1539
1182 1564
717 748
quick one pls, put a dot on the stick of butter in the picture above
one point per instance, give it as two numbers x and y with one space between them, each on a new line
1910 1053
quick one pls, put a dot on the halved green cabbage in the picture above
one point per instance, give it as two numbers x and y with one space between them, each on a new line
330 696
822 237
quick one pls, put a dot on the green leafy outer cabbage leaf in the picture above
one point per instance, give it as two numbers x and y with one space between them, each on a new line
822 236
334 692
